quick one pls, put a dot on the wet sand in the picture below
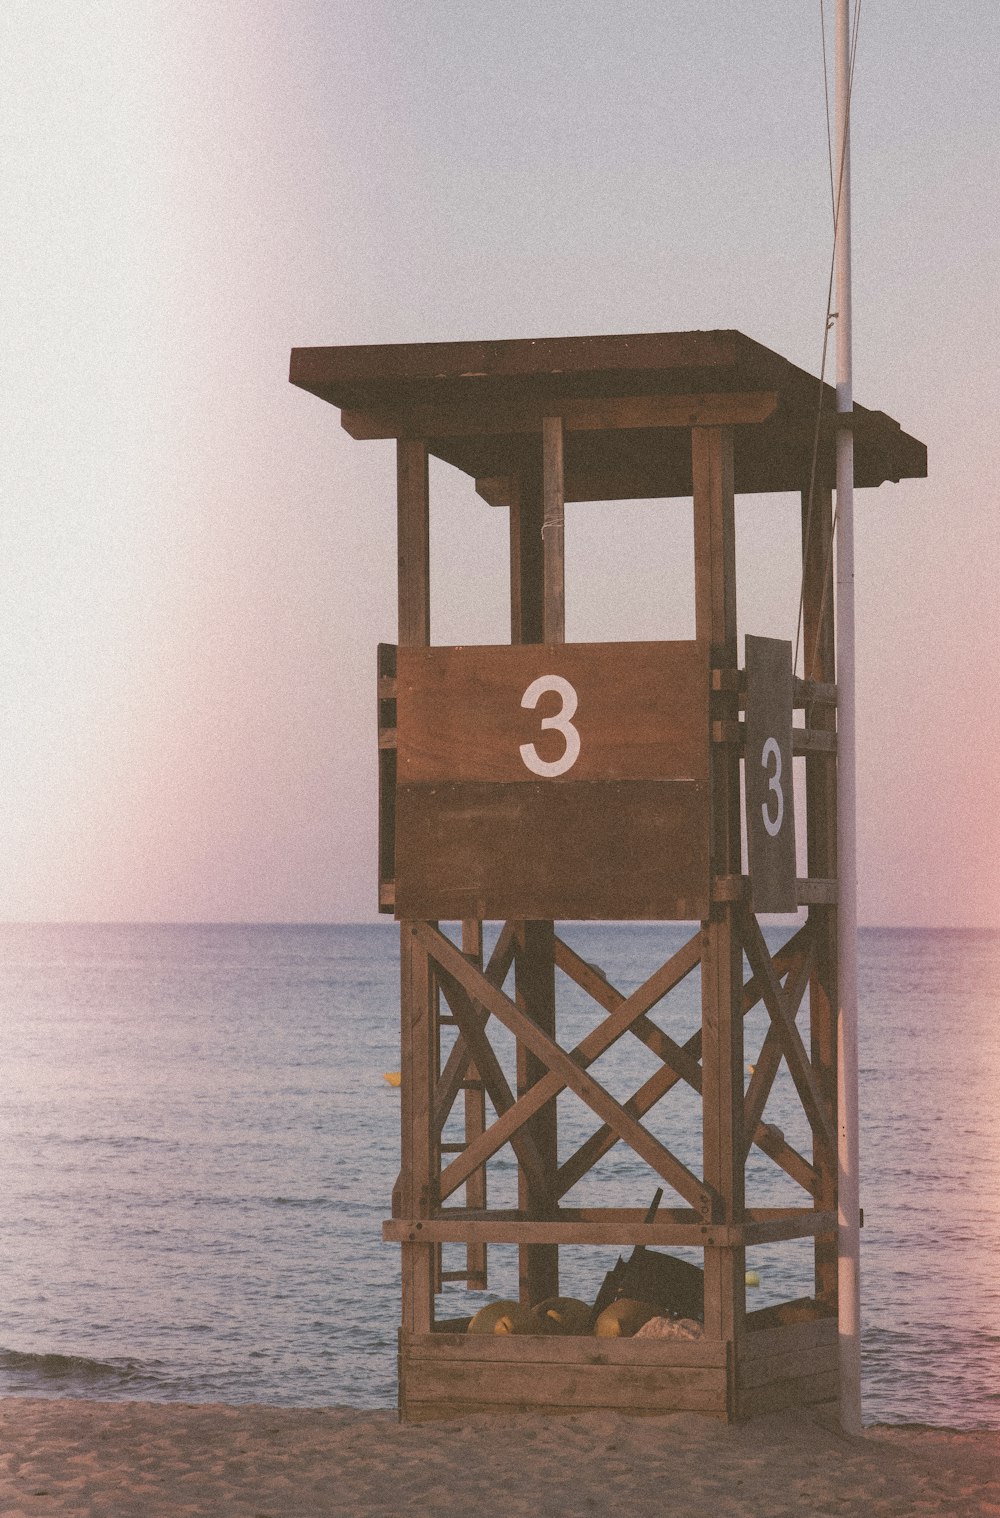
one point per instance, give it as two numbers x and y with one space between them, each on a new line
109 1460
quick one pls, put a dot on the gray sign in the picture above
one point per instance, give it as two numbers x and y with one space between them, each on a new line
768 775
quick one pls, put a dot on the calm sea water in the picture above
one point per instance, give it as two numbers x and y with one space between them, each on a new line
197 1148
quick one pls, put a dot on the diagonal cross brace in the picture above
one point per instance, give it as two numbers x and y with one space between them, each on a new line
459 1059
792 1047
627 1010
604 1138
702 1197
769 1059
606 995
472 1021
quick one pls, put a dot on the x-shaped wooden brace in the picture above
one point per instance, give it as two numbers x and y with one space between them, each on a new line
782 1005
794 958
565 1068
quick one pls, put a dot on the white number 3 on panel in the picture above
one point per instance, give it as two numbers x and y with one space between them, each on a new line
560 722
773 824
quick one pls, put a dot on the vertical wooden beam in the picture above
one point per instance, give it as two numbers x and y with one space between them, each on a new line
553 531
413 544
537 615
475 1123
419 1151
418 995
535 992
821 826
526 572
722 957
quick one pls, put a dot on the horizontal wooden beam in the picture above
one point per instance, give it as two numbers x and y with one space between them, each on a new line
579 414
809 891
805 740
610 1230
804 692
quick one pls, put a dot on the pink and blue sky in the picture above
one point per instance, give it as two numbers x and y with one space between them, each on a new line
196 563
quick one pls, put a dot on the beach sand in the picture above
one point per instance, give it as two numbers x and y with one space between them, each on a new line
115 1460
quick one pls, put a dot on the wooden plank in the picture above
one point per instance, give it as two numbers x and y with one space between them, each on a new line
788 1338
594 849
764 1372
794 1391
471 418
799 1224
413 543
796 1356
582 1349
640 712
557 1060
811 1094
770 801
443 1229
805 740
553 532
819 664
628 1388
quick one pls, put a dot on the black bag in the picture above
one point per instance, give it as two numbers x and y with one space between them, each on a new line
675 1287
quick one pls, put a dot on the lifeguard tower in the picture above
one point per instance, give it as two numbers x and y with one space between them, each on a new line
545 781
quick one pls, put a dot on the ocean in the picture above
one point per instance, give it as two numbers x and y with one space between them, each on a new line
198 1146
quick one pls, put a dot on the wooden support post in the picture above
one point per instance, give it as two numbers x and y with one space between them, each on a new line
526 578
722 958
821 823
418 992
419 1150
553 532
475 1123
537 615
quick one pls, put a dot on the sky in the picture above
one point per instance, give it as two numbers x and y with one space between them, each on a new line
196 562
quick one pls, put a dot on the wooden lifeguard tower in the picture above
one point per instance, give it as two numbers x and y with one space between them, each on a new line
546 781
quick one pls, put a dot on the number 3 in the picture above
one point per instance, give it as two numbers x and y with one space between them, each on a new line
561 723
771 750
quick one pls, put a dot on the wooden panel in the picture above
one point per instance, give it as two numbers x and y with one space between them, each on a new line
574 1350
628 1388
794 1391
768 775
788 1338
641 713
607 413
598 849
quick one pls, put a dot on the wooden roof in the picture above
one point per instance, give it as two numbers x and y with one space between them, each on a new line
627 402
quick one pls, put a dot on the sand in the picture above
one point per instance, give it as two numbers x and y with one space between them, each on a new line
109 1460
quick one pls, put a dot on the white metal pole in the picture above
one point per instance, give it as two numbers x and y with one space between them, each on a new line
849 1247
